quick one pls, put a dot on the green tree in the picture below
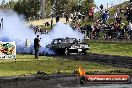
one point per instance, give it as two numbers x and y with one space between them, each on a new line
11 4
57 6
71 6
82 6
29 8
86 5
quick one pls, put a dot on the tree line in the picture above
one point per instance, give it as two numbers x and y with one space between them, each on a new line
31 8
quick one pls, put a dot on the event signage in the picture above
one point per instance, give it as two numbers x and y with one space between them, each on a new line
7 50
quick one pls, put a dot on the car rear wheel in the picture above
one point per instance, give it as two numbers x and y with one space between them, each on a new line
82 53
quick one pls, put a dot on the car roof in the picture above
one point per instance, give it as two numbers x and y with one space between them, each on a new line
63 38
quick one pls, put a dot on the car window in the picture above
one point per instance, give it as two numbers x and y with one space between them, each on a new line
71 40
64 41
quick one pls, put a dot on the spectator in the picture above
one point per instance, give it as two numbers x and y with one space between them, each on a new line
101 7
89 31
47 24
91 13
125 31
118 19
36 46
71 16
57 18
79 17
74 19
97 31
104 17
107 14
115 15
67 19
110 30
130 15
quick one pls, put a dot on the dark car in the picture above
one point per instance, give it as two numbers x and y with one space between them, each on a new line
67 46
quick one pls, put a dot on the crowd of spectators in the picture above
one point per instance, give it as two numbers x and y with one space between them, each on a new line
102 28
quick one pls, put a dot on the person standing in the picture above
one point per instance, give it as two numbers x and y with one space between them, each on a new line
57 18
118 19
67 18
37 46
101 7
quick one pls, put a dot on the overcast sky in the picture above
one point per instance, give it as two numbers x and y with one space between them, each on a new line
98 2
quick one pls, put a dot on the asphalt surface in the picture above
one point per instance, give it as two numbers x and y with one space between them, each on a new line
70 81
116 61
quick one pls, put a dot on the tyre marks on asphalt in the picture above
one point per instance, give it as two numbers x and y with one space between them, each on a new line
116 61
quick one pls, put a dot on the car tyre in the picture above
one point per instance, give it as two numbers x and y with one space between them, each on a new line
84 52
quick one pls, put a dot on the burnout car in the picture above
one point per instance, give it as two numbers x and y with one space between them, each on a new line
67 46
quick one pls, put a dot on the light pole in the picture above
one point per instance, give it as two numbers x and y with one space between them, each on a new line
2 23
51 20
52 12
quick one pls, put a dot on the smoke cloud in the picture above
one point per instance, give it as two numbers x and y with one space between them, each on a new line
15 28
61 30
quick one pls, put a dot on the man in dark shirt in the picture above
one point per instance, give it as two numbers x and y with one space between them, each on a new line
36 46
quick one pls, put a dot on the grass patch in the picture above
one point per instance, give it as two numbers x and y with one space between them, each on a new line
26 65
111 48
48 28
